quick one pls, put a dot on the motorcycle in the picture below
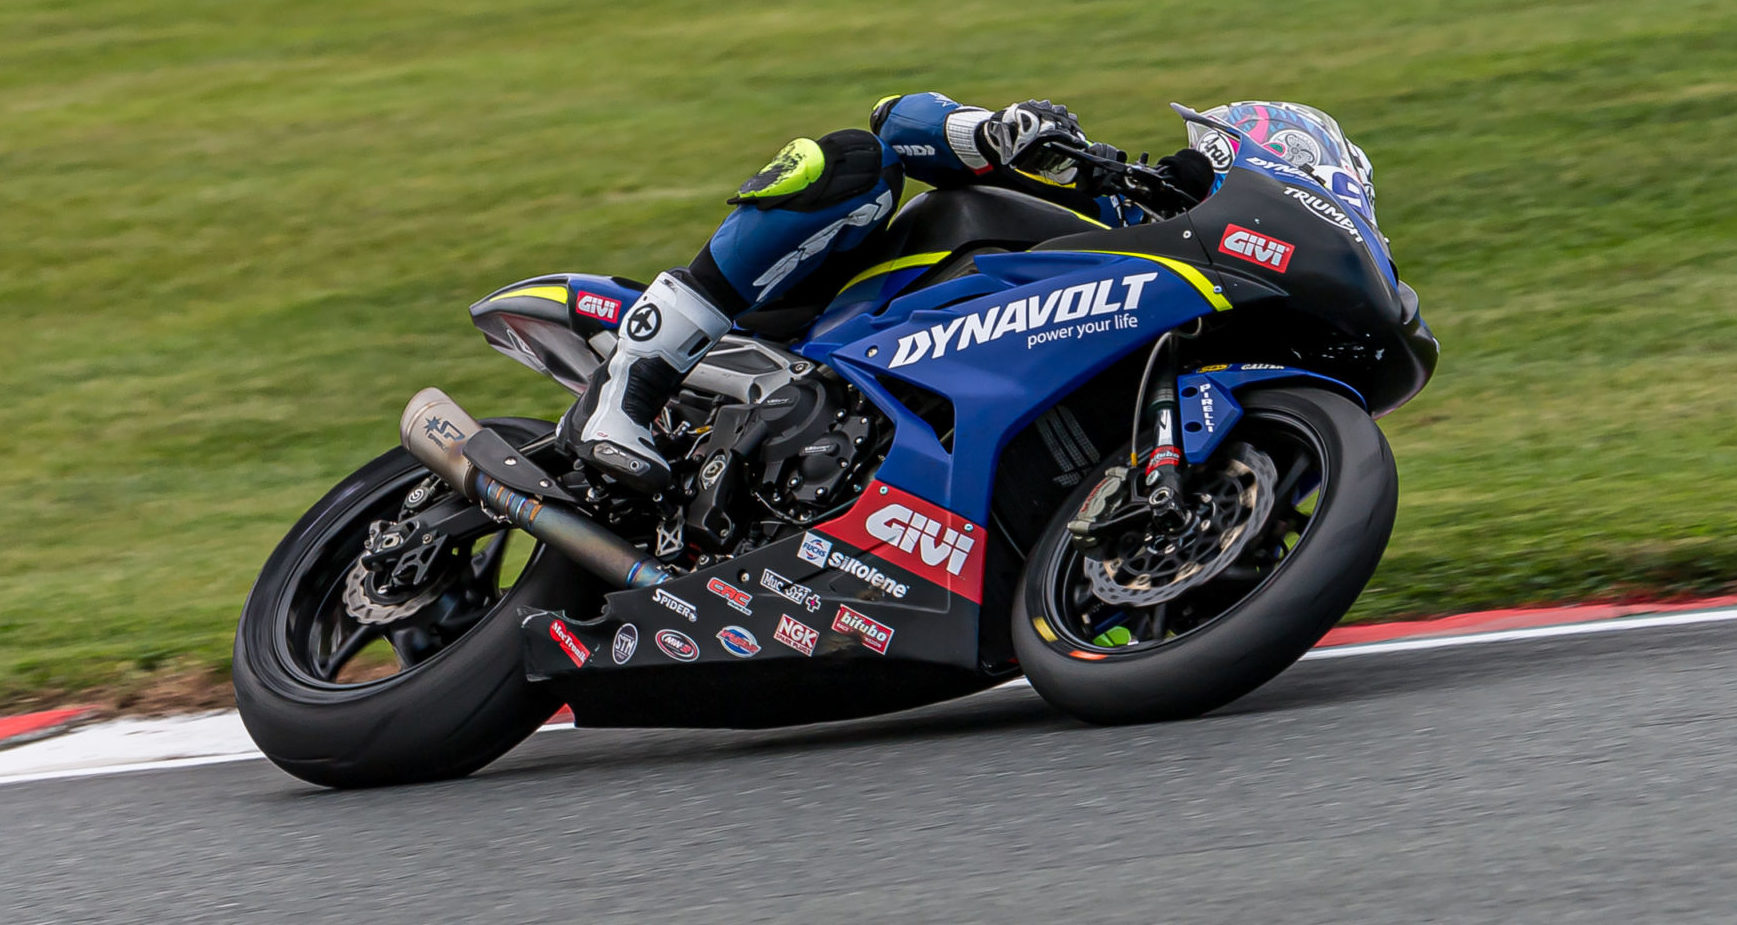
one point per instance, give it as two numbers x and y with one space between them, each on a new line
1139 465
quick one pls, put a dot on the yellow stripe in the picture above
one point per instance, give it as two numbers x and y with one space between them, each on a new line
915 260
552 293
1189 274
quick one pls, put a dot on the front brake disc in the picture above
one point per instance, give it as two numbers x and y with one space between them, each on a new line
1240 496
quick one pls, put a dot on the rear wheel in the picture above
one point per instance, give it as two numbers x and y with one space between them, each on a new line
344 689
1290 518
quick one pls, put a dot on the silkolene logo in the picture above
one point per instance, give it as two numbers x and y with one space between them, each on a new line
931 542
1255 247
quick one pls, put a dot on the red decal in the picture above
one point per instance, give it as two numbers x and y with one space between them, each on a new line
1255 247
1163 456
600 307
798 636
874 634
732 595
934 543
575 649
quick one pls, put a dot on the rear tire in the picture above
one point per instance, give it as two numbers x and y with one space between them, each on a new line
1259 634
463 707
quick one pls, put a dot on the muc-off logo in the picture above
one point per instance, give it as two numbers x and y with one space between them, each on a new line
1250 245
909 531
1038 316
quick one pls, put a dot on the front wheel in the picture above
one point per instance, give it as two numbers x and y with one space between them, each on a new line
1289 519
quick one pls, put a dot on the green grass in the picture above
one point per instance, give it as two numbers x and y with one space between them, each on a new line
234 237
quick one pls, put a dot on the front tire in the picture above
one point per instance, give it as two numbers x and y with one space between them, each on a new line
1337 492
442 715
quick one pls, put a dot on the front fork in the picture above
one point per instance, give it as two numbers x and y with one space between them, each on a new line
1156 492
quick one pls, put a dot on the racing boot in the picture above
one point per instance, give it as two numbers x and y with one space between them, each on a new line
660 339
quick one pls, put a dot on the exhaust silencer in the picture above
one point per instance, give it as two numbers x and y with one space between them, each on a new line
435 430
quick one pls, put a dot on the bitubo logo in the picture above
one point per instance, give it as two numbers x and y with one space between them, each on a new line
910 531
874 634
599 307
660 596
732 595
1324 210
1246 244
1040 317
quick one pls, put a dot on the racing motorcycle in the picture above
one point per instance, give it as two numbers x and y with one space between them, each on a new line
1139 465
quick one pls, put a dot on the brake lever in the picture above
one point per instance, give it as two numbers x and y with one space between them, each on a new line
1131 176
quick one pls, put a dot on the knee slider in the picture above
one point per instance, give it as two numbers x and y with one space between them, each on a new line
810 174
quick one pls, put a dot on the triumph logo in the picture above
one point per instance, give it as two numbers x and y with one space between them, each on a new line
1033 313
910 531
1326 211
1247 244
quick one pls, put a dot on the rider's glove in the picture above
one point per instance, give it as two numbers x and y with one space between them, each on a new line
1190 172
1015 138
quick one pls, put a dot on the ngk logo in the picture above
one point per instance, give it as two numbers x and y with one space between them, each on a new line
1255 247
910 531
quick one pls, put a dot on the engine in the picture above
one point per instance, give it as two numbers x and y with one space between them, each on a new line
759 470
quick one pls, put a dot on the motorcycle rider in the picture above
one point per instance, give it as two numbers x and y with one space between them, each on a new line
819 198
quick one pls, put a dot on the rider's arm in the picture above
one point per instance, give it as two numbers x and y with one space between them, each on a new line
935 137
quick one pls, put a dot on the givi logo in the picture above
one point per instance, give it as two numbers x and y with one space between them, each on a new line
1255 247
933 543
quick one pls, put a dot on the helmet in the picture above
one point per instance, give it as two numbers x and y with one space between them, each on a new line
1302 135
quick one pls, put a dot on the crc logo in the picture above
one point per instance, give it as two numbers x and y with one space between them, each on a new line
930 540
1246 244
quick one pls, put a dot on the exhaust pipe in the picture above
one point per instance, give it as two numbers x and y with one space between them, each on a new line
435 430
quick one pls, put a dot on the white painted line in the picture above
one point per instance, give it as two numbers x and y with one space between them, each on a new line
1617 625
80 754
166 764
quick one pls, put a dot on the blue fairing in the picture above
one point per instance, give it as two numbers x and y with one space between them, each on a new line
1023 333
1209 407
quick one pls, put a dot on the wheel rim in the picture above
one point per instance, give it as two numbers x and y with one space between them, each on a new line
1087 626
324 646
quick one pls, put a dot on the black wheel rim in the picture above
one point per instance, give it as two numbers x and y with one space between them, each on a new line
1081 621
316 637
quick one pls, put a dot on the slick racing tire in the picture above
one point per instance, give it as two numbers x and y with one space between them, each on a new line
1310 547
444 715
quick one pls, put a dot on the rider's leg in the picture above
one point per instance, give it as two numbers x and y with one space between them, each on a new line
816 198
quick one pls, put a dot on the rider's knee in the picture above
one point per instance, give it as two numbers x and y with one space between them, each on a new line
811 174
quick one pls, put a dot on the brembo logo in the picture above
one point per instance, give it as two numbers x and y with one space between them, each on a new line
1033 313
1255 247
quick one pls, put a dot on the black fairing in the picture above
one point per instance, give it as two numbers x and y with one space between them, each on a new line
1331 311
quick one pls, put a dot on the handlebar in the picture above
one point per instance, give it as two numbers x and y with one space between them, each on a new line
1137 179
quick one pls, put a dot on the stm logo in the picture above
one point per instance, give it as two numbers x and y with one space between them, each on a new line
1255 247
912 532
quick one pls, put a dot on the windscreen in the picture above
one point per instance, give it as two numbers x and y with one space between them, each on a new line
1303 136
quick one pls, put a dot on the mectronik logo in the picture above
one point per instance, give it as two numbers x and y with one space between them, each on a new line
1034 313
929 541
1246 244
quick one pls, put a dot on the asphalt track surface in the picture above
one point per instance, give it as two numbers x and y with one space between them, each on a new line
1573 779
